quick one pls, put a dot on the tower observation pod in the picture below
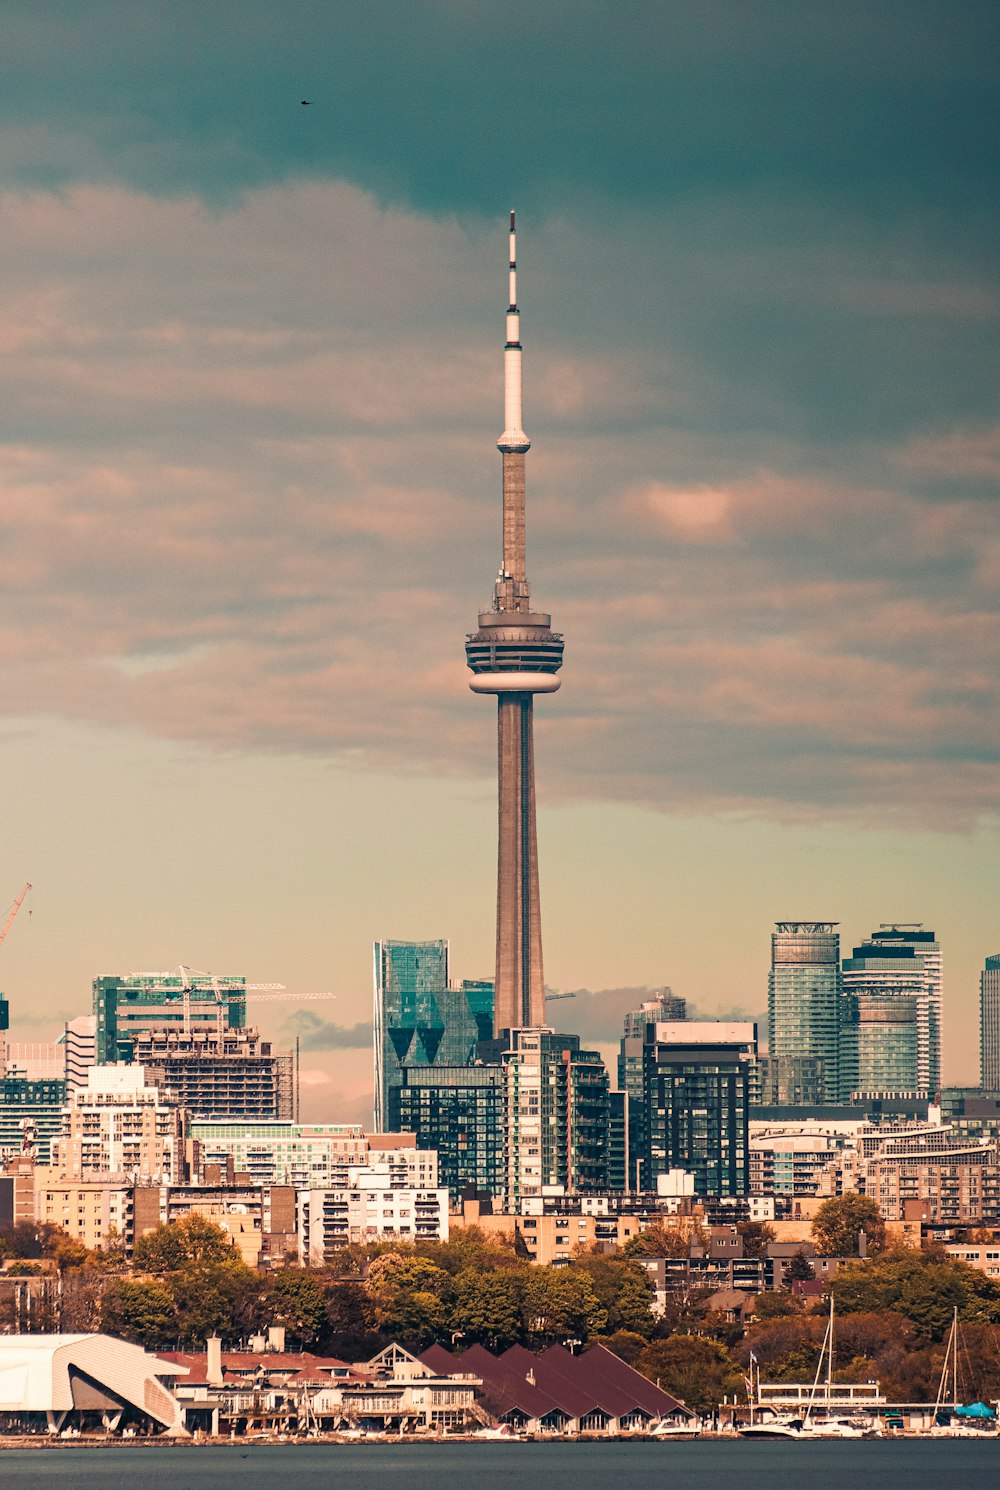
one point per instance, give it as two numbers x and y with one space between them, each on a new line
515 654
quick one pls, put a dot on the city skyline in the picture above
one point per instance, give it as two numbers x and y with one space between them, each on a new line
250 389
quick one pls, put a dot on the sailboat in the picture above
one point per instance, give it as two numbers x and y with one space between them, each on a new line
951 1419
826 1422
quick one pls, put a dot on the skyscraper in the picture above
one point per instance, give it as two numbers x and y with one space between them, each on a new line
885 1035
688 1102
557 1118
989 1024
515 654
905 947
805 999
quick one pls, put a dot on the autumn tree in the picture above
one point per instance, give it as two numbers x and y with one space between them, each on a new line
699 1372
839 1222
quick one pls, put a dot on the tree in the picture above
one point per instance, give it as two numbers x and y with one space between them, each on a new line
560 1303
666 1241
800 1269
623 1287
295 1300
757 1237
840 1221
624 1344
699 1372
920 1287
217 1298
138 1310
488 1307
176 1244
352 1331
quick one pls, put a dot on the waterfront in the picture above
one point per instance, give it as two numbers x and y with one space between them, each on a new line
900 1464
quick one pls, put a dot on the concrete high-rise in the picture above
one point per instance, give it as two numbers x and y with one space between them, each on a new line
515 654
805 1000
989 1024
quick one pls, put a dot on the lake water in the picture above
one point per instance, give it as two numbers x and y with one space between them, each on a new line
902 1464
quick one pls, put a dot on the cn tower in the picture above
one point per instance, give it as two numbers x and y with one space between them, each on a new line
515 654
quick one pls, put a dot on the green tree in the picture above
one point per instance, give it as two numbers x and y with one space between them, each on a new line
924 1289
217 1298
295 1300
800 1269
560 1303
840 1221
176 1244
415 1317
352 1331
623 1287
139 1310
488 1307
699 1372
757 1237
627 1346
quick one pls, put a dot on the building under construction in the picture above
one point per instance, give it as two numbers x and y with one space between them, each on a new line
188 1029
230 1074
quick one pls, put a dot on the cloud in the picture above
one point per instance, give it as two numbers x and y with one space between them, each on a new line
890 106
314 1033
249 498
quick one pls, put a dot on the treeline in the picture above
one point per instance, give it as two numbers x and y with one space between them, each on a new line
186 1282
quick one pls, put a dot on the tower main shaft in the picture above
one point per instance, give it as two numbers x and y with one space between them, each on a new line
515 654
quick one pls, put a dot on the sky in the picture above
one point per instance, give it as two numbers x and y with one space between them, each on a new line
250 388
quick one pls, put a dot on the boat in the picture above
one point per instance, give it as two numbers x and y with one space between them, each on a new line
674 1428
772 1427
824 1414
954 1419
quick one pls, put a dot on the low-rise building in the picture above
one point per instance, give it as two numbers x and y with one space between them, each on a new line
260 1219
369 1206
98 1212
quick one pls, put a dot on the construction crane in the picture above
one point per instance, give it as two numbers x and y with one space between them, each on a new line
551 994
12 913
284 997
4 1006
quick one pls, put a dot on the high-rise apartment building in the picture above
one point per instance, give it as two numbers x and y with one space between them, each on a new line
232 1073
79 1042
899 961
691 1109
557 1116
989 1024
30 1114
458 1111
514 654
805 1000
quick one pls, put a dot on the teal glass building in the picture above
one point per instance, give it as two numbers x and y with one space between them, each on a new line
420 1019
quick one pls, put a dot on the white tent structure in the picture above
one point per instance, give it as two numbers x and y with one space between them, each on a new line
54 1383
